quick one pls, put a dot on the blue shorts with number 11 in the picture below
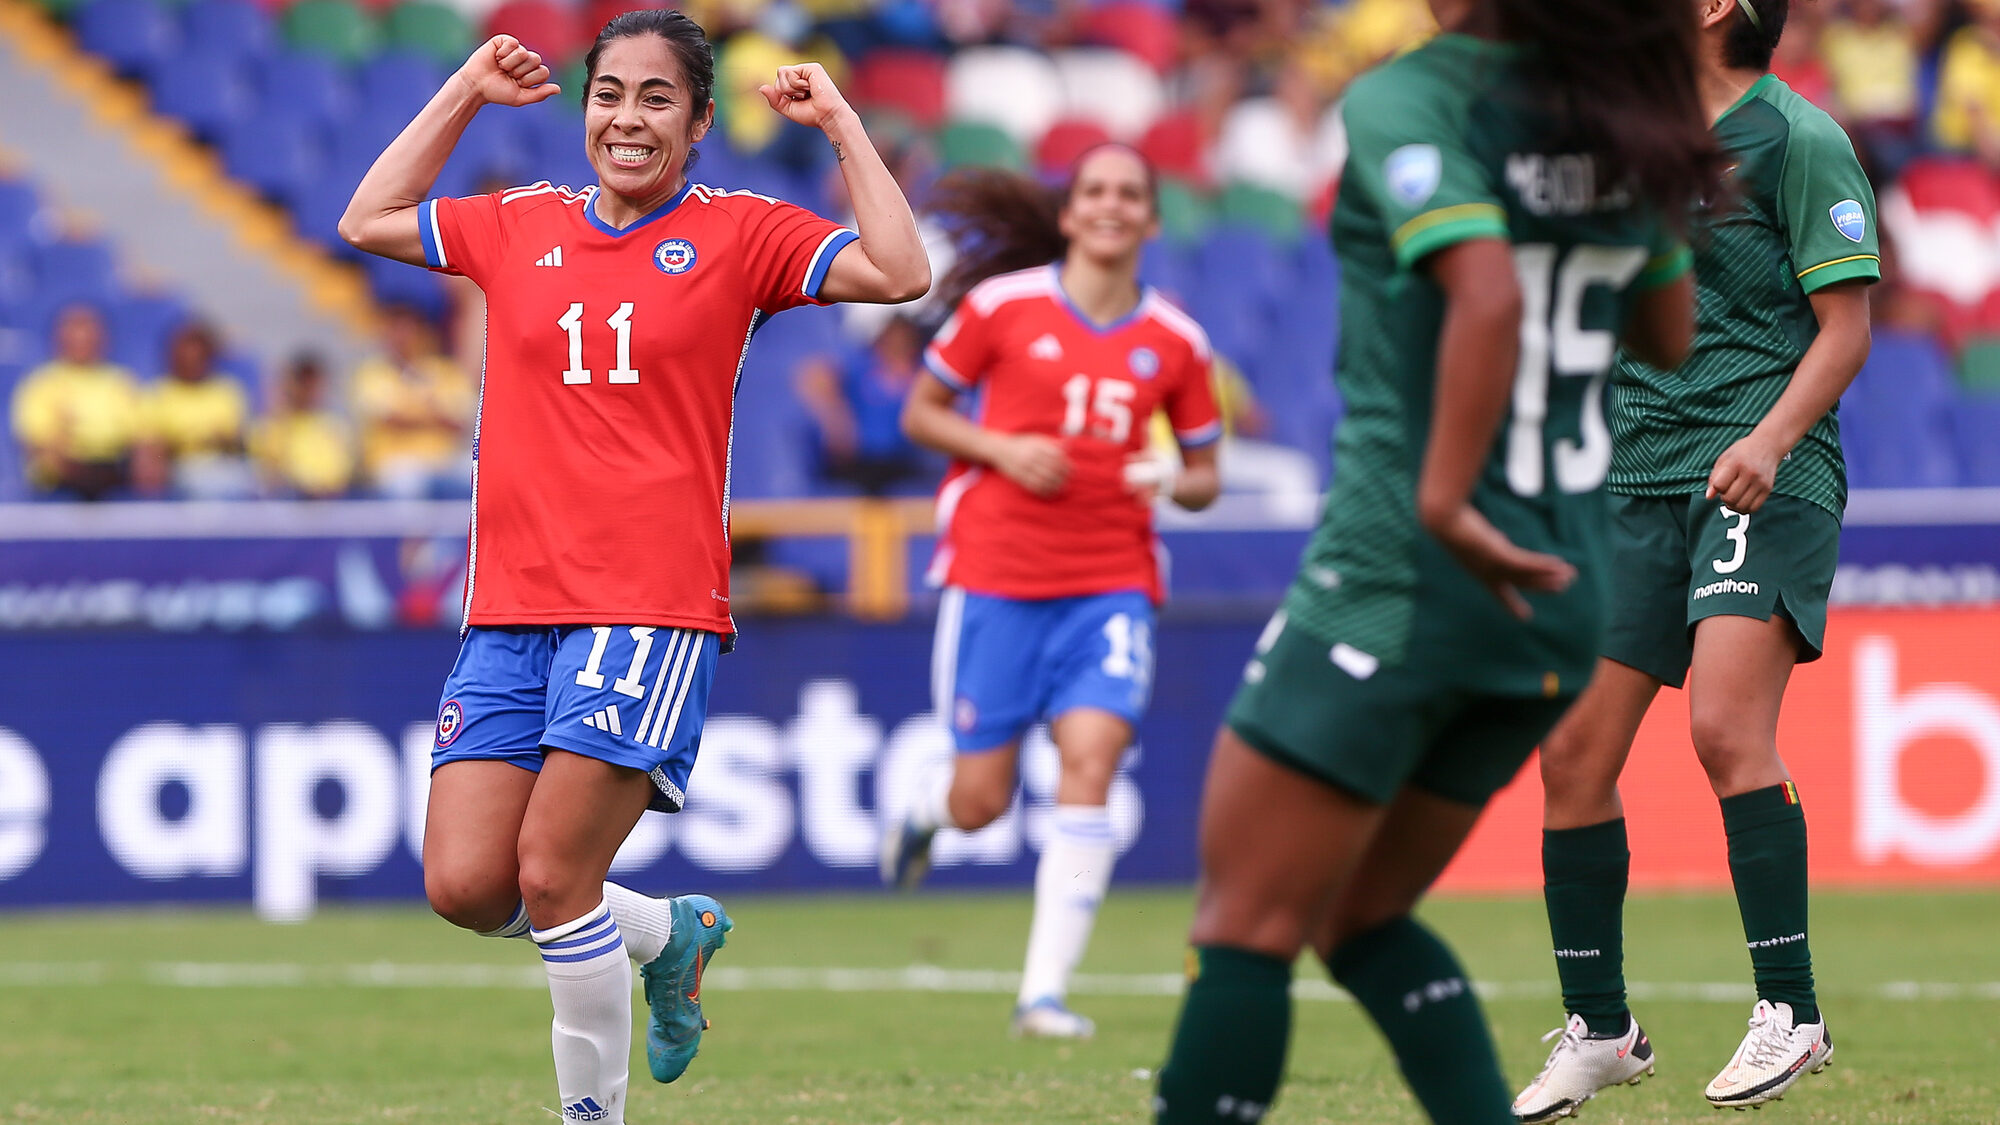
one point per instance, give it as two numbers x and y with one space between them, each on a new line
632 695
1002 664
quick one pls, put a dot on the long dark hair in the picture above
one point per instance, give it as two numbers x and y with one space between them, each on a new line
1750 43
1002 221
1621 75
684 37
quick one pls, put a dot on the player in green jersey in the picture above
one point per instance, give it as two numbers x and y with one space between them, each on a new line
1727 486
1499 233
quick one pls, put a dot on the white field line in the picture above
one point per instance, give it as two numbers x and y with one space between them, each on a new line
911 978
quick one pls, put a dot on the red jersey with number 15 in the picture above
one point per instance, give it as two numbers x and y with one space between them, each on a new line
1040 366
601 458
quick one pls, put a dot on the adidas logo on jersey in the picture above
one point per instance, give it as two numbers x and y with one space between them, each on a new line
1048 347
606 720
552 258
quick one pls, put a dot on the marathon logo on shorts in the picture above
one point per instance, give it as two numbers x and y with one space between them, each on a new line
451 720
675 255
1726 586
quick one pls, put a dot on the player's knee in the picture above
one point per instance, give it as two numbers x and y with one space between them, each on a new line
469 904
975 807
1222 918
1576 767
1728 751
549 887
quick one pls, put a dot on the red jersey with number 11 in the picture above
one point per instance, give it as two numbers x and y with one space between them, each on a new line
601 458
1040 366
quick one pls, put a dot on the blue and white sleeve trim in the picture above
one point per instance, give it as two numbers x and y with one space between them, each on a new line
1200 435
822 260
433 239
938 367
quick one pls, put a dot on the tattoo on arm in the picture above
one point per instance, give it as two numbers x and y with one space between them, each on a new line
839 153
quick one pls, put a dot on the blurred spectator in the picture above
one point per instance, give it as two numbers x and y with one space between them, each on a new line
415 411
1871 59
77 417
1798 61
1286 478
1968 99
856 404
195 419
301 447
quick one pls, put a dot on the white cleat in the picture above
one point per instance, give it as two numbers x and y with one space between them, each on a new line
1579 1068
1775 1054
1050 1018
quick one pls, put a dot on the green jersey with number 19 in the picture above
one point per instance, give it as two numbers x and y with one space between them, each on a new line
1802 217
1448 143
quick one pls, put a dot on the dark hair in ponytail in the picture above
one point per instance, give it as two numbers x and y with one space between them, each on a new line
1621 80
684 38
1751 43
1003 221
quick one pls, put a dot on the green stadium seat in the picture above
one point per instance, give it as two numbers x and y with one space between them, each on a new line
1273 212
336 28
59 9
1979 365
1185 214
976 143
436 31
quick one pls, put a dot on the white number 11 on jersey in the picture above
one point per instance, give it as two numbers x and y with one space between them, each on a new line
577 374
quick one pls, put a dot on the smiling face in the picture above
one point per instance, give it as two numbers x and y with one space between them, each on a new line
1109 213
638 120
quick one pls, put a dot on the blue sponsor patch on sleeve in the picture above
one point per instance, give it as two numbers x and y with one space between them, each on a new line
1413 173
1849 219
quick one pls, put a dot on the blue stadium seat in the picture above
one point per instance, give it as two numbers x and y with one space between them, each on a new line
74 270
237 28
209 90
398 83
1976 421
140 330
277 153
398 282
20 212
1895 420
312 86
496 148
132 35
318 208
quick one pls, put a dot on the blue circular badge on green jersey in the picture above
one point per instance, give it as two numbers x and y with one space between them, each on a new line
1849 219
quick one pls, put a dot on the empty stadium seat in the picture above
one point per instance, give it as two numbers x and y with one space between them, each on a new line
978 143
1013 88
276 156
207 90
548 28
1975 421
438 32
233 28
1895 419
132 35
140 329
315 86
73 270
1144 31
910 82
1111 88
339 29
1176 147
1272 212
1067 140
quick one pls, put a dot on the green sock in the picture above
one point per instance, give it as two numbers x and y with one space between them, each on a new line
1767 861
1228 1051
1584 871
1415 991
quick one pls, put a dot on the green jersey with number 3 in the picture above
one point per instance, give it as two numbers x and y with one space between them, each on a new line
1450 143
1802 217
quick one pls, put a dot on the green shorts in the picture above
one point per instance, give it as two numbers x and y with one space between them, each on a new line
1333 713
1676 560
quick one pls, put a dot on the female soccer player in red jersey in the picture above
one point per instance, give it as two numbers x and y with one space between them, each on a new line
1046 549
597 593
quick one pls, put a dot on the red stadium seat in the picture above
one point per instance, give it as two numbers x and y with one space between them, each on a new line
1175 146
1945 184
1141 29
546 27
908 81
597 13
1065 141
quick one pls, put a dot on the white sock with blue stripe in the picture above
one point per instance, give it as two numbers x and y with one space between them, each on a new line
590 987
1069 884
646 922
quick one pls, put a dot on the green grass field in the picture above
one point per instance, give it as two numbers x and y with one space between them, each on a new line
392 1016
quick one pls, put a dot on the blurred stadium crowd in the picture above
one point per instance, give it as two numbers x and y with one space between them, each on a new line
117 390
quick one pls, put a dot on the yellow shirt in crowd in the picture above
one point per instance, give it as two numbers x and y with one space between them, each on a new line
392 407
1968 83
1874 69
311 451
199 417
89 412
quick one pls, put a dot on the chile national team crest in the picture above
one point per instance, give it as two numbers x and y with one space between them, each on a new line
675 255
451 720
1144 362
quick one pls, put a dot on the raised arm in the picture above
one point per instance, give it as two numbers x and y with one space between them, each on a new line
382 217
888 264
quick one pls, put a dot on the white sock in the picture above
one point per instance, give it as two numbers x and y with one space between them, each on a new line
1069 884
590 987
932 808
646 922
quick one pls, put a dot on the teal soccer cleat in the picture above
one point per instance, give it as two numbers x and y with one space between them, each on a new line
673 984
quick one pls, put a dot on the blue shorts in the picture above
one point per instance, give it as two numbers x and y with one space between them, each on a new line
1001 664
634 696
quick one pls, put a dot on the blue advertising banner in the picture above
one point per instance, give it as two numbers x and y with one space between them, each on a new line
285 769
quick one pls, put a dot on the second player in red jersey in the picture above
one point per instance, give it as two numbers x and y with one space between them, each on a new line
600 481
1041 366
